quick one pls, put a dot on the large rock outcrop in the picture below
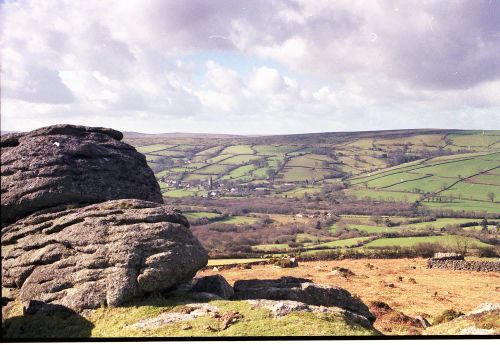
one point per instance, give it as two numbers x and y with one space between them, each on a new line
102 254
301 290
70 165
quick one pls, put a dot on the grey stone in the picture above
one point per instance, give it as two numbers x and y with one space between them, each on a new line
282 308
448 256
102 254
301 290
192 311
423 321
65 166
485 308
215 284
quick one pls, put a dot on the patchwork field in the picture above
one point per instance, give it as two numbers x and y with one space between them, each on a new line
456 170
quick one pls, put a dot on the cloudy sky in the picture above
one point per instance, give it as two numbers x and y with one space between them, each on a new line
250 67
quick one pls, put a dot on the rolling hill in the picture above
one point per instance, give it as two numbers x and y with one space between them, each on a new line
454 169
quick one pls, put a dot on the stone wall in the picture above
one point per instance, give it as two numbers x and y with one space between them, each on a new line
479 266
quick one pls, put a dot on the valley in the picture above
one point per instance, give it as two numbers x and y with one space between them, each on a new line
380 193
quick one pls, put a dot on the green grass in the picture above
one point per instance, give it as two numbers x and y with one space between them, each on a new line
239 172
219 158
309 160
197 215
213 169
296 174
453 169
299 192
304 238
372 229
267 247
220 262
180 193
113 322
383 195
239 159
389 180
341 243
405 182
197 177
446 240
238 150
209 151
427 184
239 220
466 205
473 191
440 223
151 148
474 139
261 173
274 149
491 178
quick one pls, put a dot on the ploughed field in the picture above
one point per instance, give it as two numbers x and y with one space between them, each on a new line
406 285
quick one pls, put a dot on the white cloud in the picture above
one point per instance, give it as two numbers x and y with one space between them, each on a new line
353 65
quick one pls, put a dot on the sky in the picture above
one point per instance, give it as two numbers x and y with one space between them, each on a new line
250 66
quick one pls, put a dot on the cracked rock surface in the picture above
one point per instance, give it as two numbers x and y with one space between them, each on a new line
65 165
102 254
301 290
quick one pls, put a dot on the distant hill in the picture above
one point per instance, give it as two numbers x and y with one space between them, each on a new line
178 135
458 169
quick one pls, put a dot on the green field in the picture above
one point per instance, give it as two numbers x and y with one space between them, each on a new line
198 215
220 262
239 172
239 220
271 247
213 169
446 240
180 193
299 192
239 159
341 243
461 181
239 150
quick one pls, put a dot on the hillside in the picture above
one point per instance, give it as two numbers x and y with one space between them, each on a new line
452 169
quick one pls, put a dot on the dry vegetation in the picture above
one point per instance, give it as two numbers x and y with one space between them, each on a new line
419 291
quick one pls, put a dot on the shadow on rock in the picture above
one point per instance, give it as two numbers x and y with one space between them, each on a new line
301 290
43 320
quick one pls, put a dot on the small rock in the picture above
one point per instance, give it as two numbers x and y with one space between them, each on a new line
215 284
229 318
301 290
280 308
189 312
186 327
33 307
423 321
342 272
485 307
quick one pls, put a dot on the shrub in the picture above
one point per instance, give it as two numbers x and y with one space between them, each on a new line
487 252
447 316
380 305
